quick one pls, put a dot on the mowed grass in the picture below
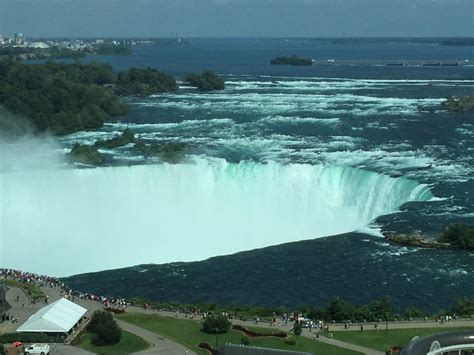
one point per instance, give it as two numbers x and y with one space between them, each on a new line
382 340
129 343
188 333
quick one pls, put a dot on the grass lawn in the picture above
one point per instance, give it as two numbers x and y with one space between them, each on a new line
188 333
128 344
382 340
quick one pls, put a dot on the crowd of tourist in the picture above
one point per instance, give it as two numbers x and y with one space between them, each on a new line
65 291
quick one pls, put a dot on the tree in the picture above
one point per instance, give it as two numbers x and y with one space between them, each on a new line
459 235
206 81
297 329
464 306
105 329
216 324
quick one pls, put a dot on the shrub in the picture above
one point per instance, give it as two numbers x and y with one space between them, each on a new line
216 325
29 338
251 333
459 235
106 330
244 341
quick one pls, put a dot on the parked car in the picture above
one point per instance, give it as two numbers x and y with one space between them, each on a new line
42 349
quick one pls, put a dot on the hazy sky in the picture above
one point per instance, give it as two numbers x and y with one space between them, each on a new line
237 18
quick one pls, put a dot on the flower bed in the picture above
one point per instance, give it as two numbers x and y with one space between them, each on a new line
252 334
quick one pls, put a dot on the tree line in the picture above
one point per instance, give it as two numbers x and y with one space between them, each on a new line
66 98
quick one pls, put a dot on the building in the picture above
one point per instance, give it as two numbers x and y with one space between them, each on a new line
4 306
38 45
2 40
60 317
18 39
461 342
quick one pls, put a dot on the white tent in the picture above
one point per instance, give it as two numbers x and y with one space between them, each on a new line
58 317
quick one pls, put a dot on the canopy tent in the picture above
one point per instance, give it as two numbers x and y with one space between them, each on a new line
58 317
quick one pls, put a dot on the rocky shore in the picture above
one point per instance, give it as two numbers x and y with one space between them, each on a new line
416 240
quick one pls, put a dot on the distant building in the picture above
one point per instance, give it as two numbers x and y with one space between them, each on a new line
2 40
38 45
458 342
99 41
18 39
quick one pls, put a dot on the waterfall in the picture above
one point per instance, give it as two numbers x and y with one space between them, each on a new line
94 219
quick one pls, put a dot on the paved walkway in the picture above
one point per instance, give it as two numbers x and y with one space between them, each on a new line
160 345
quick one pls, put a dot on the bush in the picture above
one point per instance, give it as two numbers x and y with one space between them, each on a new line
216 325
459 235
251 333
29 338
244 341
105 328
86 154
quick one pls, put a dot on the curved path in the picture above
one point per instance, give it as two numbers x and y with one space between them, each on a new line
160 345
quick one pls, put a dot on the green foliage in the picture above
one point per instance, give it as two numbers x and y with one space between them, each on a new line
144 82
112 49
459 235
169 152
58 52
216 324
129 344
206 81
245 341
59 97
293 60
464 306
86 154
2 350
29 338
297 328
105 328
189 334
340 310
459 104
413 312
125 138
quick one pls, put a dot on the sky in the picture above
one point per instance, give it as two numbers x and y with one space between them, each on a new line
237 18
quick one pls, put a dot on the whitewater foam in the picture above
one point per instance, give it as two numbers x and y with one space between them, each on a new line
114 217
